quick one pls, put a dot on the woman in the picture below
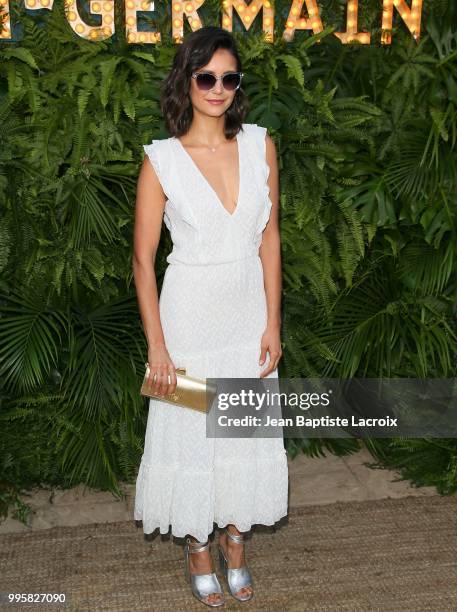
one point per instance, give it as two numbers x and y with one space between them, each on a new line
215 183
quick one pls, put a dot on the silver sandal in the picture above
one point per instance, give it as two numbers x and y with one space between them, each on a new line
202 584
236 578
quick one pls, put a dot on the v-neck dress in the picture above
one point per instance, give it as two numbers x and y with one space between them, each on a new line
213 313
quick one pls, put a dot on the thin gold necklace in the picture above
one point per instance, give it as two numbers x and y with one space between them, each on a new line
213 149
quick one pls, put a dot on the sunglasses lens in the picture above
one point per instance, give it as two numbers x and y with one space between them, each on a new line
231 81
205 81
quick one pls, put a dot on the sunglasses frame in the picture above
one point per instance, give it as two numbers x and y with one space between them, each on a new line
218 78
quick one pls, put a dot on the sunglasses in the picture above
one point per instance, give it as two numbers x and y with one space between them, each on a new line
207 80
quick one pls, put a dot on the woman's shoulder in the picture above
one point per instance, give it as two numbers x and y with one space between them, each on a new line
158 152
158 147
257 134
160 143
253 128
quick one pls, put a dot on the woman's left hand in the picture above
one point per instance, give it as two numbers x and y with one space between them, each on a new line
271 342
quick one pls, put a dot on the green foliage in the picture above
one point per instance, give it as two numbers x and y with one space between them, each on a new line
431 462
366 141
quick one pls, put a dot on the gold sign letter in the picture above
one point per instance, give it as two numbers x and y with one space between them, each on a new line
247 13
189 9
105 8
351 33
411 16
131 9
5 20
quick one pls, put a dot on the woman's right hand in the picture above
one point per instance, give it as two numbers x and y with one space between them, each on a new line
162 368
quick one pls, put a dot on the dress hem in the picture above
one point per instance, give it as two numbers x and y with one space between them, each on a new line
219 523
158 484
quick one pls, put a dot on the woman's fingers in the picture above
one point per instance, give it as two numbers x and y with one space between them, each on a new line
267 370
263 354
151 376
275 356
172 379
155 378
163 379
162 372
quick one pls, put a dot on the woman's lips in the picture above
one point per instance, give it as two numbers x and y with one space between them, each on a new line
216 101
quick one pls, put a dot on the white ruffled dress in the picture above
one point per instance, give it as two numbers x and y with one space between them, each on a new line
213 314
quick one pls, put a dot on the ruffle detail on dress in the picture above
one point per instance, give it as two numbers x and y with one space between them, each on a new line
151 152
259 134
265 499
265 175
165 496
191 501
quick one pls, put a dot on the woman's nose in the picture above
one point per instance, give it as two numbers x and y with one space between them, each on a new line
218 86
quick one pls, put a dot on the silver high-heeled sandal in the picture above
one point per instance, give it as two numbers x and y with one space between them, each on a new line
238 577
202 584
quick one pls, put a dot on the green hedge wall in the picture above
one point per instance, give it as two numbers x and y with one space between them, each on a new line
366 137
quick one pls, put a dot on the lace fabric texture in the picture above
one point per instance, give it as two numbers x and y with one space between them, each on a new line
213 314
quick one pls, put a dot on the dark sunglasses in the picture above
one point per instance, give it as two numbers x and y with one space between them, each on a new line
207 80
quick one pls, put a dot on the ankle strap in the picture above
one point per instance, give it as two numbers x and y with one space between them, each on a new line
197 546
236 538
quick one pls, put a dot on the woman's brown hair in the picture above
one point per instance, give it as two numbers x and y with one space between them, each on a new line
194 52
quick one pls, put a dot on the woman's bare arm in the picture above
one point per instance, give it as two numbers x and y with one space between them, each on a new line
149 208
270 254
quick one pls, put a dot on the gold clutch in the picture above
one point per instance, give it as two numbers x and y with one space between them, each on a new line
190 392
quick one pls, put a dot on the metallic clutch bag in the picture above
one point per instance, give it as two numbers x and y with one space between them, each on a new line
190 392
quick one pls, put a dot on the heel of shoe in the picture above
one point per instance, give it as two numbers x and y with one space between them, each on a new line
236 578
223 564
186 562
202 585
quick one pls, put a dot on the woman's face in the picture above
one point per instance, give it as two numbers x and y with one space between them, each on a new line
221 62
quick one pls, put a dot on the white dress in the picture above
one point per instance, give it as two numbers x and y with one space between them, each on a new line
213 314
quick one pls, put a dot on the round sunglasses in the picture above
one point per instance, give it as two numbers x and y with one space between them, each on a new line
207 80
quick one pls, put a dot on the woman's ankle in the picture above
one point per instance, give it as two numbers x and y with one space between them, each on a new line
194 542
232 530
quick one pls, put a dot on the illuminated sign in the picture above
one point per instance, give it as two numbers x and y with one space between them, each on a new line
181 11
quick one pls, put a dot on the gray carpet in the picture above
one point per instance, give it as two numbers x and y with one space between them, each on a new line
390 554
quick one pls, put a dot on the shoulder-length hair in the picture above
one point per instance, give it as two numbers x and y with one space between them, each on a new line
194 52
